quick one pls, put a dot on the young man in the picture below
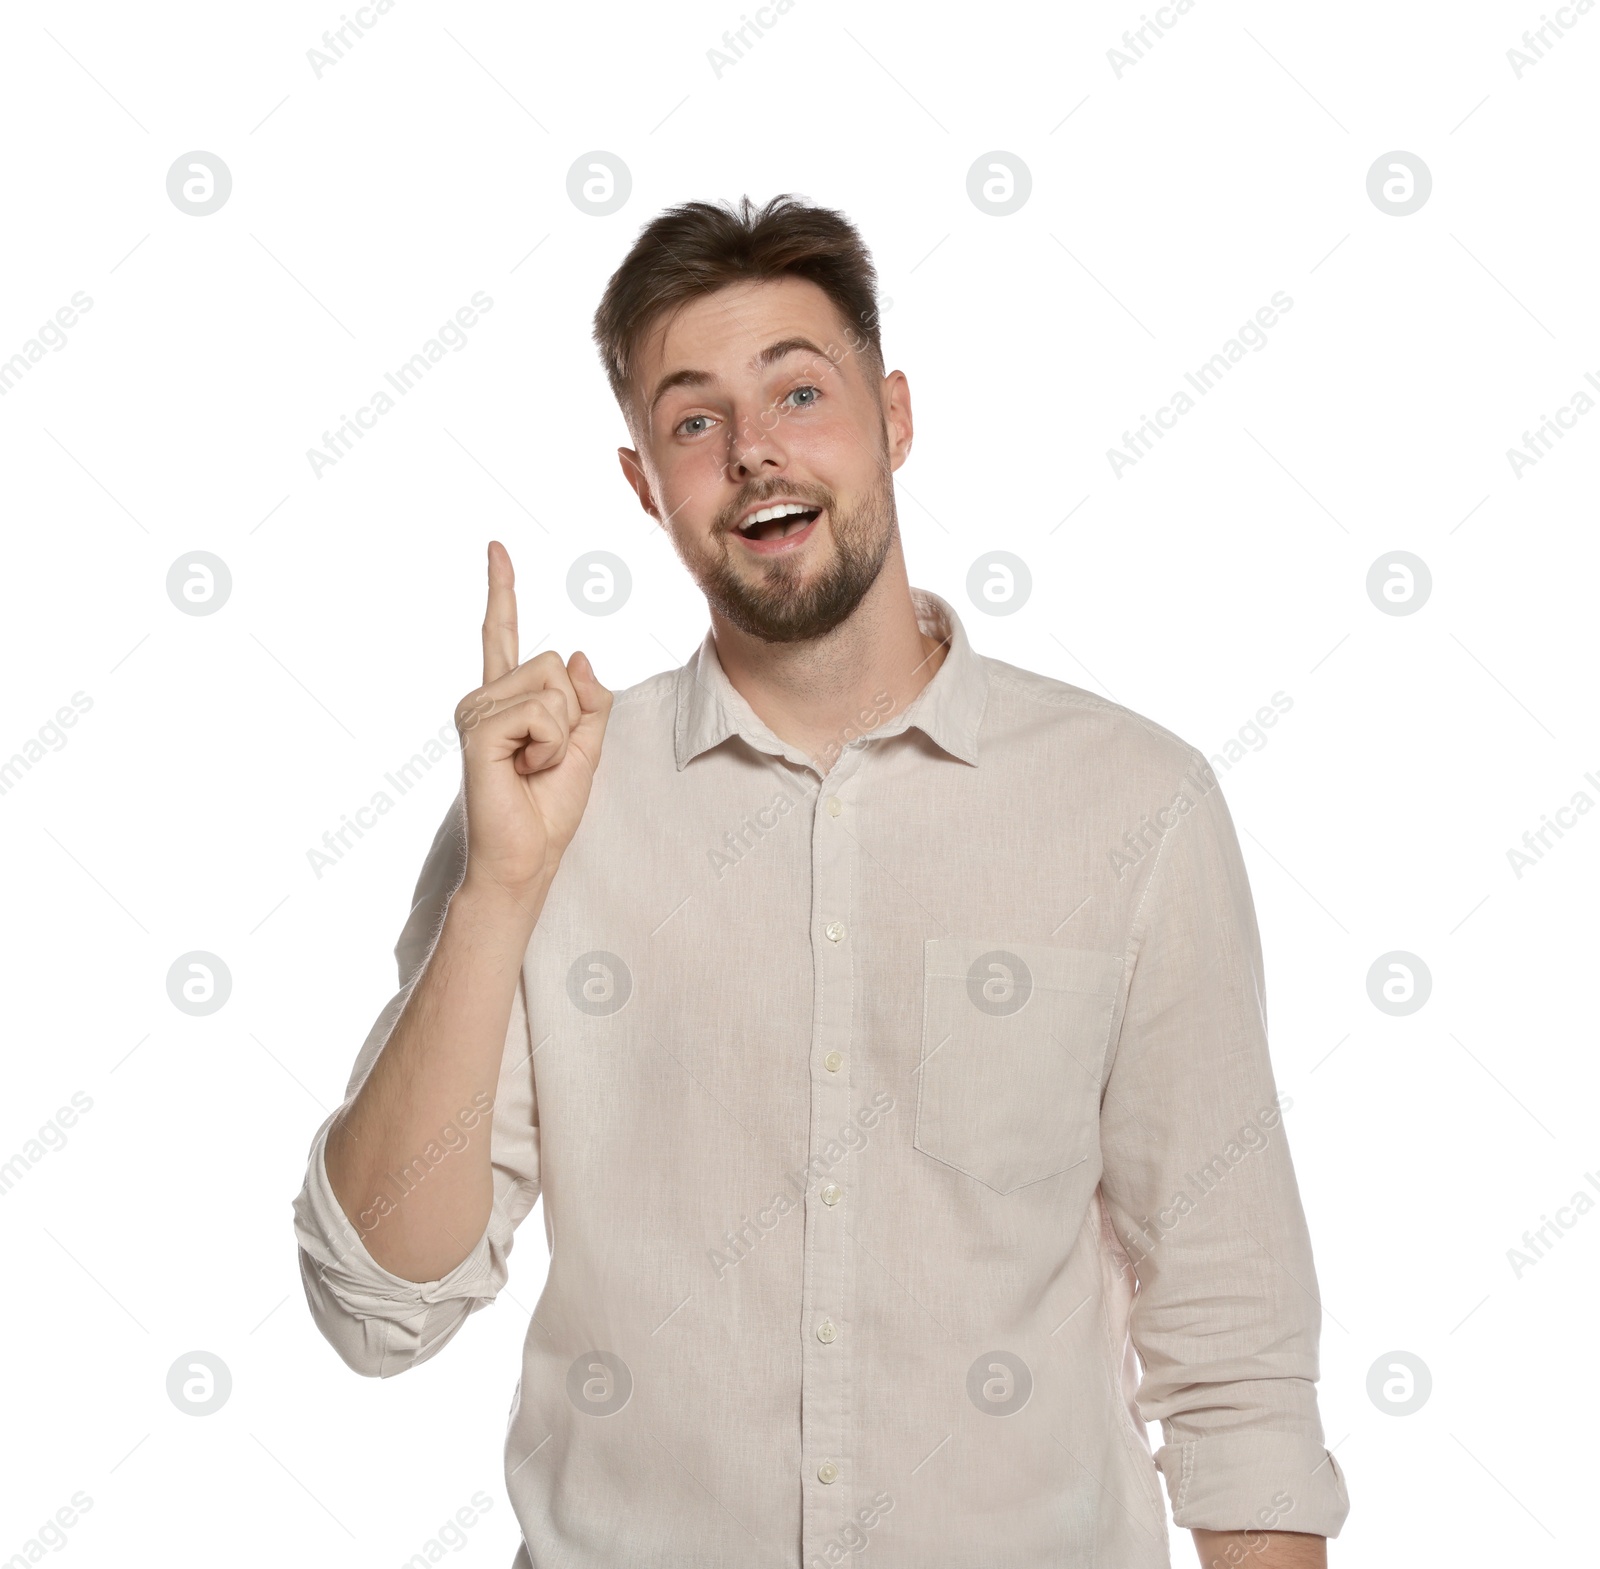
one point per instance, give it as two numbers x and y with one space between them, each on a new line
883 1024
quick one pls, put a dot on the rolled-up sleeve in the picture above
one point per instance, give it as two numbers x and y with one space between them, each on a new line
1201 1188
379 1323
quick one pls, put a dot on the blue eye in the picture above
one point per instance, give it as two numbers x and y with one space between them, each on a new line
704 420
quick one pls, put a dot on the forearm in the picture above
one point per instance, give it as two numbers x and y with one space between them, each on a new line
442 1059
1261 1549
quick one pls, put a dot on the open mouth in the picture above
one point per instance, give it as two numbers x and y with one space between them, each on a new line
771 525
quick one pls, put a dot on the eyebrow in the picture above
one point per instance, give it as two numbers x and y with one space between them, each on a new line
700 378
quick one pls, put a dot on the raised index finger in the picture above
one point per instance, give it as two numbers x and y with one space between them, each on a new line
500 618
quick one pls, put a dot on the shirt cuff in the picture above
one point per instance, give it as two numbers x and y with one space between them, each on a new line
1254 1481
379 1322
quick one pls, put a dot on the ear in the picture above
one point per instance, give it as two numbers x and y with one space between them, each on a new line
895 400
633 472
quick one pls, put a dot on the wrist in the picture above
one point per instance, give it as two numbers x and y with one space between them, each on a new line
488 905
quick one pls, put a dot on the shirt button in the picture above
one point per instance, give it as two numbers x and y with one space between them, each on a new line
826 1332
833 1061
835 931
832 1193
827 1472
835 806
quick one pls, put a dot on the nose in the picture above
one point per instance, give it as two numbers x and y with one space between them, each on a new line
754 449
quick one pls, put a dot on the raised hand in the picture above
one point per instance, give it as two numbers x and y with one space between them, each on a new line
530 745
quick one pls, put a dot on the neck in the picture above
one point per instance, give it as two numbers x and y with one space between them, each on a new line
821 693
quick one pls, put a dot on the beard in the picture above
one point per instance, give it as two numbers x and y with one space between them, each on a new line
779 606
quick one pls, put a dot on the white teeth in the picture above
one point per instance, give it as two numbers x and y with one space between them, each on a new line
767 514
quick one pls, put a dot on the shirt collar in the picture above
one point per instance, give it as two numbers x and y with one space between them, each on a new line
948 709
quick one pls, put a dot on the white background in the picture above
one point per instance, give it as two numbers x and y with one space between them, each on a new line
1167 206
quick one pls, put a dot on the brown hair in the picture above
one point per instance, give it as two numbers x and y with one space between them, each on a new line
695 249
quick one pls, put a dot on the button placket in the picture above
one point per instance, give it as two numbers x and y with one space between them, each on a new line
828 1286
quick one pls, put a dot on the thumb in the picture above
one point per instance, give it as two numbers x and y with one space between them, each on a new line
592 697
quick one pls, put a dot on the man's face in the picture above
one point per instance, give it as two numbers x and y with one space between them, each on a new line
751 397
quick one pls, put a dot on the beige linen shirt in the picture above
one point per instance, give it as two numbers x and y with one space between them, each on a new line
880 1118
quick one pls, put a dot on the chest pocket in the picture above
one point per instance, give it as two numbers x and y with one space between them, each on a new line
1013 1043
